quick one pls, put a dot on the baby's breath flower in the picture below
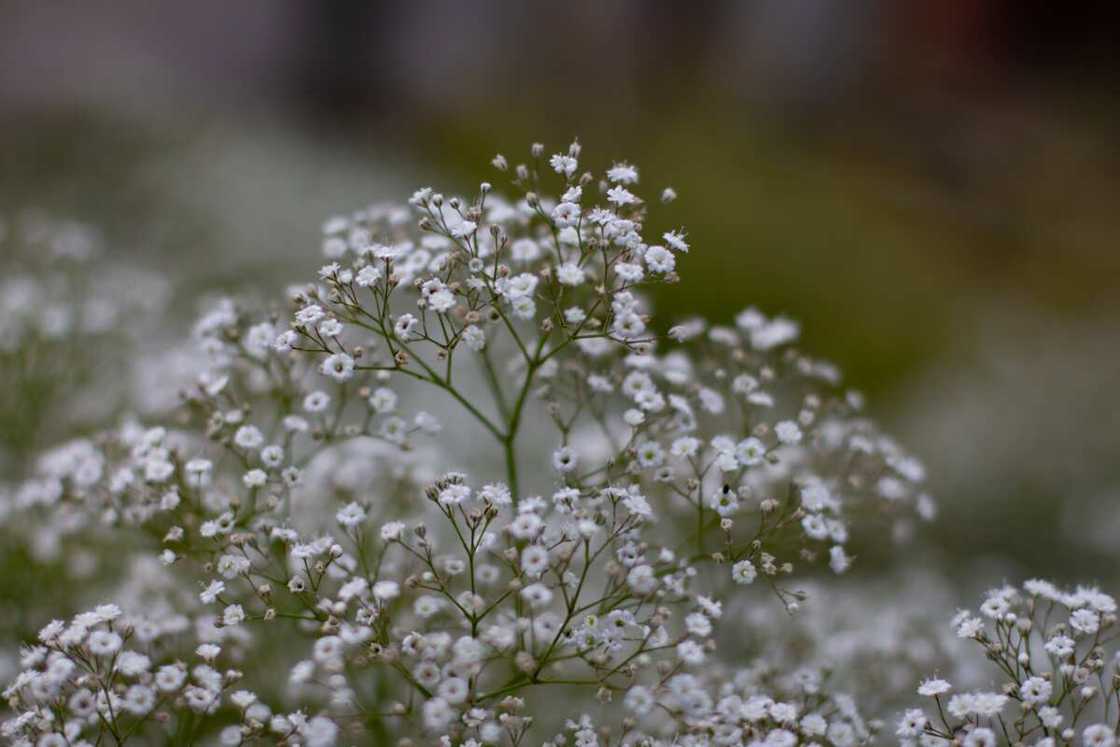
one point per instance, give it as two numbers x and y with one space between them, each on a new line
302 499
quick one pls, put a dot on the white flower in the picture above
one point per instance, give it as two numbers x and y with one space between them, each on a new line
979 703
139 700
496 493
534 561
537 595
453 495
437 714
980 737
629 272
339 367
815 526
621 196
527 525
743 572
233 615
788 432
284 342
1060 646
575 315
441 300
248 437
392 530
132 663
968 626
642 580
231 566
317 401
676 241
566 214
690 652
104 642
327 649
1050 717
386 252
427 605
649 454
1085 621
563 165
570 274
330 328
524 307
1035 690
83 703
565 460
637 505
211 592
622 173
254 478
405 327
368 276
453 689
383 400
660 260
463 229
750 451
639 700
474 338
319 732
107 612
170 677
774 333
698 623
351 515
309 314
520 286
1098 735
911 724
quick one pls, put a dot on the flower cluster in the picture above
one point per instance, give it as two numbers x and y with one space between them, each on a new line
731 425
748 708
63 310
106 674
630 488
1059 678
870 636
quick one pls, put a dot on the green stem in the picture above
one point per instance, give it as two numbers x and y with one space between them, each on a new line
699 525
511 467
514 424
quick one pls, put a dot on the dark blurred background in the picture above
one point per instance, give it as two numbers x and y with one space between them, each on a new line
931 186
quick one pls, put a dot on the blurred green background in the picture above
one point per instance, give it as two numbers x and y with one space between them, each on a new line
930 186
